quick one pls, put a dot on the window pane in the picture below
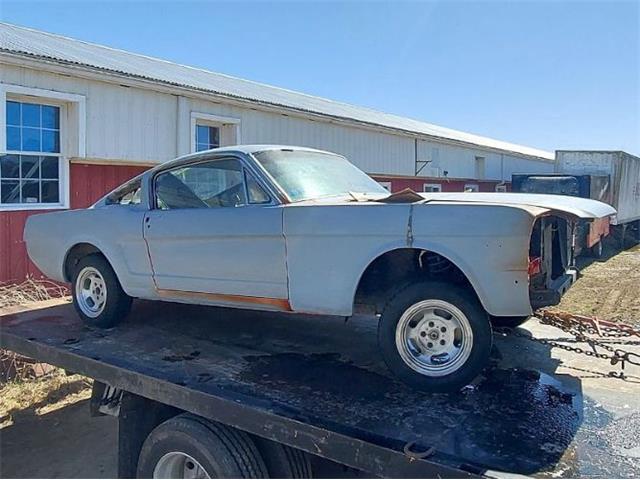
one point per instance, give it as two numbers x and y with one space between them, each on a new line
49 167
30 166
13 138
202 134
50 191
214 137
30 115
51 141
9 191
13 113
201 146
10 166
50 117
31 139
256 192
30 191
205 185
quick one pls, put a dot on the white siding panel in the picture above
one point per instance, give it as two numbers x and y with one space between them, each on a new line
372 151
128 124
459 162
123 124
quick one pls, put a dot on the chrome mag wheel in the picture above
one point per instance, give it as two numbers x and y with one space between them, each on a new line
179 465
434 338
91 292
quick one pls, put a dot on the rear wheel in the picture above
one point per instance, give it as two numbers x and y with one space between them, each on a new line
97 295
435 336
283 461
187 446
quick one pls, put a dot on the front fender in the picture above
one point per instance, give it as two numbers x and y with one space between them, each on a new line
488 243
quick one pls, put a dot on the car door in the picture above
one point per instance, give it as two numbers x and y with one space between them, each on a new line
214 230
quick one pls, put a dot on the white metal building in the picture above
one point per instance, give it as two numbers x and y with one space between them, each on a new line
78 119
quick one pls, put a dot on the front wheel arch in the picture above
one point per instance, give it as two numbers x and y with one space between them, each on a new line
384 292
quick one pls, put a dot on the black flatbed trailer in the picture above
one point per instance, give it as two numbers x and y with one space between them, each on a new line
318 384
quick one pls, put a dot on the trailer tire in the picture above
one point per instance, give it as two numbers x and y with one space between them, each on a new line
507 322
283 461
467 336
221 451
116 303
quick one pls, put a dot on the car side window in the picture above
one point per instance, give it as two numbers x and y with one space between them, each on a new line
213 184
128 194
255 191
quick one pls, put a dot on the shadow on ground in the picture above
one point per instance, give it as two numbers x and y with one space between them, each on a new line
65 443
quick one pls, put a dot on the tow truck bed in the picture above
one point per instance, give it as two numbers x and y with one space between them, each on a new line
318 384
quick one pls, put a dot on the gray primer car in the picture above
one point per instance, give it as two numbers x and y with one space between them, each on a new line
301 230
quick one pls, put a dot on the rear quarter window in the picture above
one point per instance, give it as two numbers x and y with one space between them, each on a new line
128 194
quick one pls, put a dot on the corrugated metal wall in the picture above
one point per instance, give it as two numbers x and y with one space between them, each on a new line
128 124
88 184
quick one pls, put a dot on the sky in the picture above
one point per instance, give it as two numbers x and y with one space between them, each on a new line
546 74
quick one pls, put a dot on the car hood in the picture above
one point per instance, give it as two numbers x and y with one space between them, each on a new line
536 204
575 206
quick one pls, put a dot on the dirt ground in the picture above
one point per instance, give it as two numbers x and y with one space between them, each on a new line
609 289
46 429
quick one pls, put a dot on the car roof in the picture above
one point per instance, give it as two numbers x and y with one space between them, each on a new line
233 150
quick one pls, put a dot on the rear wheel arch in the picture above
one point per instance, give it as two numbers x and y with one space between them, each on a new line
75 254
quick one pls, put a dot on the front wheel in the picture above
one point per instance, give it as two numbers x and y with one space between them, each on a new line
435 336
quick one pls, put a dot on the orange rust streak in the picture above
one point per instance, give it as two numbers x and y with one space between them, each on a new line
279 303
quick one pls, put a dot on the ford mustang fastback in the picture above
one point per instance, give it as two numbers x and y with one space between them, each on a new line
300 230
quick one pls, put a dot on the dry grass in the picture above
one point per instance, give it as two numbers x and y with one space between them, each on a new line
28 392
609 289
42 395
30 290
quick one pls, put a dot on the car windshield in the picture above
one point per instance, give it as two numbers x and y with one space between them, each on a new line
305 175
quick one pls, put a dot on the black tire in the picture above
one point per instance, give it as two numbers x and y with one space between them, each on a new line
508 322
223 452
283 461
117 304
462 299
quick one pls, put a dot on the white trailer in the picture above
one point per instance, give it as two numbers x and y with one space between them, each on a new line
623 189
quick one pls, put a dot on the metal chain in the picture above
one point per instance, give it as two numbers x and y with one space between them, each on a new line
584 329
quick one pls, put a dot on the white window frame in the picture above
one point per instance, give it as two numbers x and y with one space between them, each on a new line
62 100
474 187
501 188
386 185
207 119
436 186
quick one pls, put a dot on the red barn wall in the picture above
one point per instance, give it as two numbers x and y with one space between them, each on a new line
88 182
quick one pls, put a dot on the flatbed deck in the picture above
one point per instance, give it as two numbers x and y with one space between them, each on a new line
319 384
